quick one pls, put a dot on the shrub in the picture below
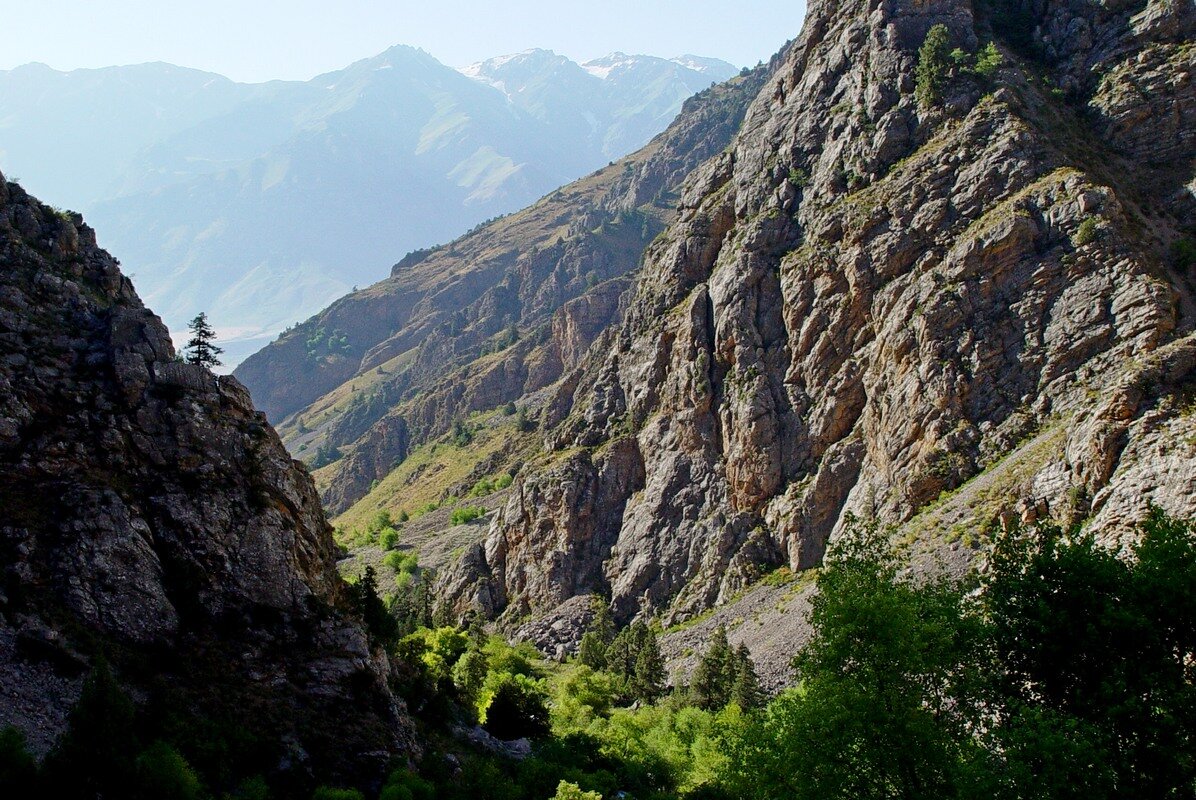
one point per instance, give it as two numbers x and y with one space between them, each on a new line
333 793
466 515
406 563
1183 253
462 433
163 774
388 539
406 785
380 521
1087 233
988 61
934 66
504 480
571 791
325 455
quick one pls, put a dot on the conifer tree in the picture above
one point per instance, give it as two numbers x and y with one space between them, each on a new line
934 66
746 692
714 677
201 348
647 683
620 656
598 637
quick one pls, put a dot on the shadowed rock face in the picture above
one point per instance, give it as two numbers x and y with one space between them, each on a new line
150 514
865 303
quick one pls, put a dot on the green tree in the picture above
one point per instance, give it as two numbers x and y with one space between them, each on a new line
514 706
571 791
598 636
745 691
363 595
934 66
875 715
714 676
94 757
201 348
647 681
162 774
1094 674
469 675
18 770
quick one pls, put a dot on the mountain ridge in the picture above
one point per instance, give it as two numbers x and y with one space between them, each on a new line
218 193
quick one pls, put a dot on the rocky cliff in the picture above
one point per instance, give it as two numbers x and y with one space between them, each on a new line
485 320
153 518
942 306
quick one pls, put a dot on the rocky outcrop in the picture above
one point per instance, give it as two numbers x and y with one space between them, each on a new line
480 322
151 516
867 301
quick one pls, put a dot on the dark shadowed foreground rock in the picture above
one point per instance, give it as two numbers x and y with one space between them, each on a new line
149 514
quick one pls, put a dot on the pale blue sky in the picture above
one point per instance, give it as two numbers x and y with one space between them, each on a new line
254 40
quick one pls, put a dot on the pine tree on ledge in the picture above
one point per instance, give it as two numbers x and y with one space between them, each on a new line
201 349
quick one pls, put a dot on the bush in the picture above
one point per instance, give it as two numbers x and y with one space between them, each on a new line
325 455
571 791
466 515
1087 233
388 539
406 785
402 563
504 480
1183 253
163 774
332 793
462 433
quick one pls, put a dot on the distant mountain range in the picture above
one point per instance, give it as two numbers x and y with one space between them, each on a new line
261 203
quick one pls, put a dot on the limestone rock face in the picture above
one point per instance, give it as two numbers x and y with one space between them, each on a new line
865 303
151 515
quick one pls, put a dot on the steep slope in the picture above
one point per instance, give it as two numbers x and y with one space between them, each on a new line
152 517
480 322
875 306
260 204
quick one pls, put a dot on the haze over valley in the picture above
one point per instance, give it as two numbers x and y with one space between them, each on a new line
262 203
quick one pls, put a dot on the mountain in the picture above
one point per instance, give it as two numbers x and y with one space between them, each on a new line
942 292
154 526
502 312
613 104
262 203
937 281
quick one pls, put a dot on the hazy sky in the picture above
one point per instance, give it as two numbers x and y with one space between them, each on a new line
254 40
